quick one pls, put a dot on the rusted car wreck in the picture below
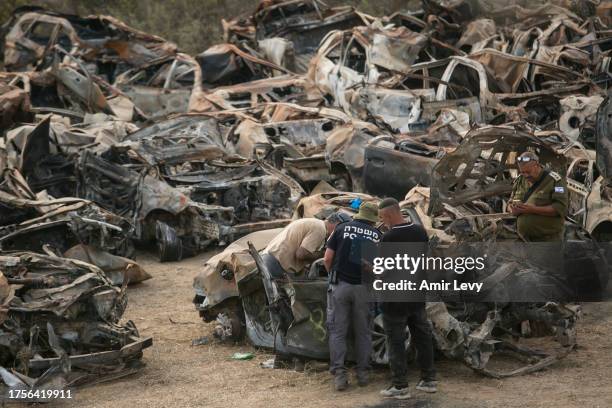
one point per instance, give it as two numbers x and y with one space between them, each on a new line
60 324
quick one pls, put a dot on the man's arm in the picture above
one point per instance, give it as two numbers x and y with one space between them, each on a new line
311 246
328 259
305 255
546 210
330 251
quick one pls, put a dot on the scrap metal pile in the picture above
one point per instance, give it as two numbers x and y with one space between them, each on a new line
60 324
112 138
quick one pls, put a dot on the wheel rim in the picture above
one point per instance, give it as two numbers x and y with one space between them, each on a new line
380 348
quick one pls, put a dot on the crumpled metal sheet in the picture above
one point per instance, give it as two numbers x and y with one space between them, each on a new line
165 86
39 222
578 112
15 101
117 268
604 142
396 49
61 323
303 25
217 281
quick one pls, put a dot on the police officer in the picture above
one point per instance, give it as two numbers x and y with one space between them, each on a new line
539 200
347 297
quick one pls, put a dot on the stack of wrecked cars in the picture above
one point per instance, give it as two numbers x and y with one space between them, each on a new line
441 101
113 139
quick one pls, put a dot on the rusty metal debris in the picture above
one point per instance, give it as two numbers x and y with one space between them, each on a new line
111 138
61 324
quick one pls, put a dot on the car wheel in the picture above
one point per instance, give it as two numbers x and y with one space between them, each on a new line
169 245
380 348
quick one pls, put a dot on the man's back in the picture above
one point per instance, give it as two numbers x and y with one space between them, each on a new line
406 233
349 241
308 233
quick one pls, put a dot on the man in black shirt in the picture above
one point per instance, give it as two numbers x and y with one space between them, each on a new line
346 296
397 314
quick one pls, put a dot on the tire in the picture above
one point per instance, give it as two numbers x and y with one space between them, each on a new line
169 246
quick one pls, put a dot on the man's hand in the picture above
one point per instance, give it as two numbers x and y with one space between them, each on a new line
520 208
319 254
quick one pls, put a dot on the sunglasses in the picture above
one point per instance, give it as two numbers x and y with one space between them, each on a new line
524 159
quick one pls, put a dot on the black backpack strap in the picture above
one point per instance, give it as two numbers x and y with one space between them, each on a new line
535 186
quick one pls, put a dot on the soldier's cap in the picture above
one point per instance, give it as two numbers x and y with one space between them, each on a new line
527 157
368 211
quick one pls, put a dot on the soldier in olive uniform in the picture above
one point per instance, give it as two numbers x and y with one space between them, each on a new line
539 200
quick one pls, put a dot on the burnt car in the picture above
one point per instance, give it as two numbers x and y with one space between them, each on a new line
217 294
295 324
476 178
230 291
108 45
60 321
289 32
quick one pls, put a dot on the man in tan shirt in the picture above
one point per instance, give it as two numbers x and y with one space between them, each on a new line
299 243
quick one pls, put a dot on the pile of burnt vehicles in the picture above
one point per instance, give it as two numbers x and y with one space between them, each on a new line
112 138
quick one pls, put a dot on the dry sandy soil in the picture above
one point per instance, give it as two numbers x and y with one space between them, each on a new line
178 374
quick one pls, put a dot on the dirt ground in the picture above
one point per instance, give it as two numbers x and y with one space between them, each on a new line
181 375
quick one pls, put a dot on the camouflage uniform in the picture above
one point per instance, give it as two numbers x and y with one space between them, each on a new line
551 191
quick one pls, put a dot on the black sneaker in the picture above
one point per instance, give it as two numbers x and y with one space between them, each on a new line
427 386
397 393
